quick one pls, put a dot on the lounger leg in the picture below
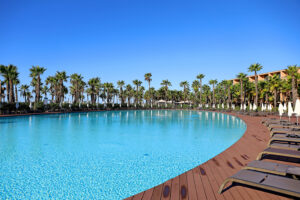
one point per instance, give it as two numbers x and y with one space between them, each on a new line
260 155
223 184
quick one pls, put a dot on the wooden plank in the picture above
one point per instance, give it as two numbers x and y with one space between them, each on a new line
184 193
198 184
175 189
166 192
148 194
157 192
191 185
138 196
206 185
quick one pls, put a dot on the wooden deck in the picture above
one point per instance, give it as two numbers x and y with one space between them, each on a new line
203 181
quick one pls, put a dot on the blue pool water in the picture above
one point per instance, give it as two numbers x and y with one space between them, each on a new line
106 155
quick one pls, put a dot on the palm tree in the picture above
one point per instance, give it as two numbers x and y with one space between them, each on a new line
196 85
52 81
109 89
36 72
255 68
274 87
77 86
28 96
45 90
166 84
121 95
16 82
148 79
24 89
185 86
137 84
0 90
241 77
61 78
94 84
213 83
292 71
129 93
10 74
200 77
228 85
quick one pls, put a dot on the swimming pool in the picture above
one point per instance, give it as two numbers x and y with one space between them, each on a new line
106 155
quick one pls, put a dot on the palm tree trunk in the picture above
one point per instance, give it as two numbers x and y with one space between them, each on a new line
10 91
38 89
0 91
16 91
256 89
149 91
200 96
275 98
294 90
229 96
214 101
242 100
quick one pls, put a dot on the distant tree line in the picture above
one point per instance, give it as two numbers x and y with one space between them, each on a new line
263 91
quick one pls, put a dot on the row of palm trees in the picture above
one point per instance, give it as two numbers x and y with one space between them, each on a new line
266 91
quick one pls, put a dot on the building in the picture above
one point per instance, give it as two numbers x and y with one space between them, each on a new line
264 76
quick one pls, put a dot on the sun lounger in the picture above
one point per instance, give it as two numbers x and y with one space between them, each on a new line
272 120
292 134
290 126
279 152
284 139
285 130
285 142
294 147
265 181
274 168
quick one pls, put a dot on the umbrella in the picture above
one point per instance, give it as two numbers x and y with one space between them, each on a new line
290 110
262 107
245 106
297 109
254 107
270 107
213 106
284 107
17 105
30 105
250 106
280 110
223 105
218 106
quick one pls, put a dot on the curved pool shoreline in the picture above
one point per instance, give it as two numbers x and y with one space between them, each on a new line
203 181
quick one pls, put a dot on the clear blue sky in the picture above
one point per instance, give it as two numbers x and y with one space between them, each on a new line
124 39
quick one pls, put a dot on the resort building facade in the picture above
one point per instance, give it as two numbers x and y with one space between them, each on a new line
264 76
282 74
